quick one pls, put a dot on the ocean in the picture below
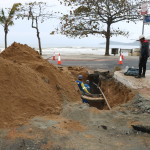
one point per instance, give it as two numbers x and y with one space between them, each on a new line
82 50
79 50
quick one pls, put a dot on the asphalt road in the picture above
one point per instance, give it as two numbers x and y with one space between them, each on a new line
98 62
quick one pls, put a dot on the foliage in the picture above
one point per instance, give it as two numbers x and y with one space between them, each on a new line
6 18
37 13
96 17
35 10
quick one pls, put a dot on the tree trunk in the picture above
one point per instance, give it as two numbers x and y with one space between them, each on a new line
6 32
39 41
107 40
37 32
38 36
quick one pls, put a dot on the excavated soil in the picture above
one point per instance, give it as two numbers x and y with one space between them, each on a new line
41 108
116 93
31 86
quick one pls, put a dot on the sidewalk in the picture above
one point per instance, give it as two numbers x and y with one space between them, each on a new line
142 85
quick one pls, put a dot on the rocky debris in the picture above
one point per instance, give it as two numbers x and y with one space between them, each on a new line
80 127
139 104
104 74
141 128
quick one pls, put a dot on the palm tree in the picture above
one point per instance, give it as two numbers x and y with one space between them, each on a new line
7 21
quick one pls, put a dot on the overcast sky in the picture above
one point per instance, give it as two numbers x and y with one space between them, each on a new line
23 33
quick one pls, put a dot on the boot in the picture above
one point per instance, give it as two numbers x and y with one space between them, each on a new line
139 76
143 75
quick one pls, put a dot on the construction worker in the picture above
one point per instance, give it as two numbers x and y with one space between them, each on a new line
82 87
87 85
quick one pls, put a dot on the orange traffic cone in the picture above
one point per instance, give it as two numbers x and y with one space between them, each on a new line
53 58
59 60
122 56
120 60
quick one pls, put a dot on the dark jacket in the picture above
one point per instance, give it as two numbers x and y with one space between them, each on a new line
145 49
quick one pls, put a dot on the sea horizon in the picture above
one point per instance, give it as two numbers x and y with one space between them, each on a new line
79 50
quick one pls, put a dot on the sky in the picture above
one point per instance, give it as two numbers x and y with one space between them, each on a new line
22 32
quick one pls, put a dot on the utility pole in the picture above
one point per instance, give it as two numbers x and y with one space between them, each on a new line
144 11
143 26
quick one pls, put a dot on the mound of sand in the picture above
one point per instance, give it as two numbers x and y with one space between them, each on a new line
30 86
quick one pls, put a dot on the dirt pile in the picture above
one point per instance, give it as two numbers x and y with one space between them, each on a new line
30 86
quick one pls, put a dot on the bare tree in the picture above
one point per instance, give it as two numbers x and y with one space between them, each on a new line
37 12
6 18
96 17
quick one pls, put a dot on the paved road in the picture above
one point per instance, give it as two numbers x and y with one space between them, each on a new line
98 62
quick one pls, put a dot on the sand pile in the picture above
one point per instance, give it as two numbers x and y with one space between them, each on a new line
30 86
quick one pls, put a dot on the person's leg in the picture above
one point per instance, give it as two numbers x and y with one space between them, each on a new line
144 67
84 101
140 66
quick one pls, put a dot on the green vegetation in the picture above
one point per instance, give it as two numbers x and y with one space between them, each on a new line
6 19
96 17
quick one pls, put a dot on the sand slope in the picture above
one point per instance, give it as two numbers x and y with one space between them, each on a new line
30 85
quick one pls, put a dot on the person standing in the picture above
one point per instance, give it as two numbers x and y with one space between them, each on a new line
144 54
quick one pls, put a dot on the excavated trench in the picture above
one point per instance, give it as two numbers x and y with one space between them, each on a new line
115 92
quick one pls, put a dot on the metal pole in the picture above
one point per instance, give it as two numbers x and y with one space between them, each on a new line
103 96
143 26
